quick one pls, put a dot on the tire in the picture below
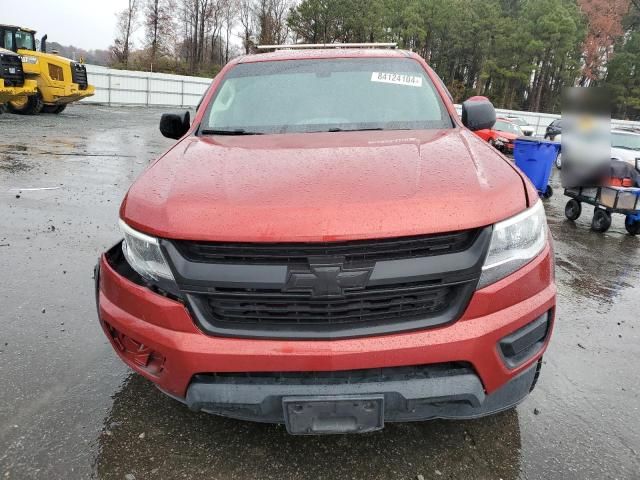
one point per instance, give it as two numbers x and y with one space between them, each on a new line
32 106
601 220
632 225
548 193
573 210
53 108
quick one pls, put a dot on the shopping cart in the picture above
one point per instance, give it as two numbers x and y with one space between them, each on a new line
607 200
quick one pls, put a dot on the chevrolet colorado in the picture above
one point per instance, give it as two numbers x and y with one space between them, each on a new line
329 246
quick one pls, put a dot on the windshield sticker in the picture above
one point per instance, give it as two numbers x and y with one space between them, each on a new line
397 79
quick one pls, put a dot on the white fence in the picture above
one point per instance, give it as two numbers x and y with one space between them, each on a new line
125 87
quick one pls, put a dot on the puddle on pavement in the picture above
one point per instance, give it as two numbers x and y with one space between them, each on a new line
13 165
13 148
143 423
595 266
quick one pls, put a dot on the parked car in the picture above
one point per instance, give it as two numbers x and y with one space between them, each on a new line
502 135
528 130
625 146
553 129
329 246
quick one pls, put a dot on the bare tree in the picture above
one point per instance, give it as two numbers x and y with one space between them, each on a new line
271 18
214 27
159 27
126 27
279 12
230 12
246 18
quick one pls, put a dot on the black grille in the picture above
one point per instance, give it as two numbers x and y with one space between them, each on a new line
353 251
386 374
79 75
11 70
328 290
370 305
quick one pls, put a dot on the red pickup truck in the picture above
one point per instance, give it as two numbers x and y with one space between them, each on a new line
329 246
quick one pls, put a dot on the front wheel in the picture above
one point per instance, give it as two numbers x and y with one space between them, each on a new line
27 105
601 220
53 108
632 224
573 210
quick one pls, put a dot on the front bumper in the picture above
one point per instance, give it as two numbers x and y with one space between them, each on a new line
451 395
66 94
10 93
173 352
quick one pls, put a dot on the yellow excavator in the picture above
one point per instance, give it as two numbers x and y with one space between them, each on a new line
60 81
13 85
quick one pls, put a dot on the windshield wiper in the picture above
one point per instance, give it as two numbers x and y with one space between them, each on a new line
337 129
237 131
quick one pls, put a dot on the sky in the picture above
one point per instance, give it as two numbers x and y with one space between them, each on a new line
88 24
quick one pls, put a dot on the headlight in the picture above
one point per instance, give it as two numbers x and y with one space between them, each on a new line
514 243
144 255
29 59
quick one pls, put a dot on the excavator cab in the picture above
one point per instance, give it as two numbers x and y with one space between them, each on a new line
60 81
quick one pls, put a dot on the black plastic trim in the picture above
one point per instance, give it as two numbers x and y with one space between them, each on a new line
523 344
116 259
457 394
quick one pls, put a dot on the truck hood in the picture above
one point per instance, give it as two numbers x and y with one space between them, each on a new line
50 57
324 187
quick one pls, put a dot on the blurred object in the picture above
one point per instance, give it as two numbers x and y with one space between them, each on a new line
625 146
586 137
535 158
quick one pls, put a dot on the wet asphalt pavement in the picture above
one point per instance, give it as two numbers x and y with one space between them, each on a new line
70 409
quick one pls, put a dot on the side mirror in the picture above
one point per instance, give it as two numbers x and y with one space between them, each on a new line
478 113
175 125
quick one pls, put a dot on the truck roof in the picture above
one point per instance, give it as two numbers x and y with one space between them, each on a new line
325 53
15 27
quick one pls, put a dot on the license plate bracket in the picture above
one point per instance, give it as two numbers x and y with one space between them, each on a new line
321 415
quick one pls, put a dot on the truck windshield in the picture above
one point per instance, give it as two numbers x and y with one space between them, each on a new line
24 40
325 96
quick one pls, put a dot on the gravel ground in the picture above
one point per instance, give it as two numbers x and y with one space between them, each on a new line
70 409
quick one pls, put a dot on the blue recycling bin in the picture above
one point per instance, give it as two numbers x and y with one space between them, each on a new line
535 158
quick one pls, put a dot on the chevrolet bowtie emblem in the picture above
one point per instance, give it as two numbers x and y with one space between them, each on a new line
324 278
